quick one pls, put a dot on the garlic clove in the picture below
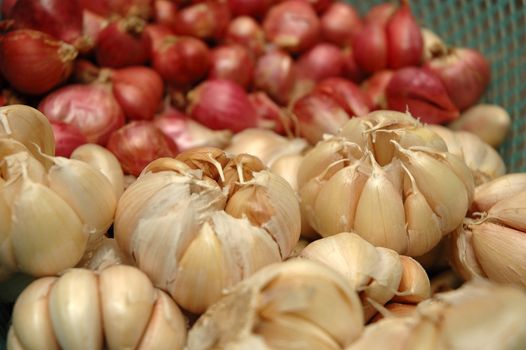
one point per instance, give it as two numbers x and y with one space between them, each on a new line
414 285
337 201
463 172
46 234
356 131
16 159
290 331
87 191
386 278
199 281
30 127
74 301
104 161
442 188
388 333
500 252
125 310
106 253
30 320
7 258
461 254
488 194
287 167
167 326
510 211
423 225
380 217
393 309
13 343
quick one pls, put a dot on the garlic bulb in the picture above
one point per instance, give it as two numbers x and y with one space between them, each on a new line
489 122
202 222
104 161
484 161
49 217
479 315
118 308
30 127
378 274
104 253
492 243
387 178
298 304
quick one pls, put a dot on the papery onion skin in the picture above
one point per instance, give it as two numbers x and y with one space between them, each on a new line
207 20
90 108
270 113
58 18
292 25
181 60
222 104
232 62
138 143
138 90
375 87
67 138
274 74
123 43
322 61
34 62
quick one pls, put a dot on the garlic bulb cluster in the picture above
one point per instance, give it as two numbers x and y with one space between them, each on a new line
117 308
389 179
298 304
379 274
479 315
202 222
484 161
492 242
51 208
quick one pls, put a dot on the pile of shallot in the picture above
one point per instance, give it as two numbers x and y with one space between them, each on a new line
252 174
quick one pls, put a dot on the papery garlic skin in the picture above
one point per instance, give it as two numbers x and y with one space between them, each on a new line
298 304
202 222
484 161
378 274
387 178
118 308
462 319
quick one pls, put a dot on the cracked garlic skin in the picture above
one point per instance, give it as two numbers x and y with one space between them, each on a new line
51 208
491 243
378 274
117 308
477 316
297 304
202 222
388 178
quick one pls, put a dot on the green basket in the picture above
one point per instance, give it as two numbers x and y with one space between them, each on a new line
495 27
498 29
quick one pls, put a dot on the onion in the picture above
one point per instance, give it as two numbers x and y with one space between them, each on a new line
7 6
33 62
340 23
347 95
92 24
320 6
165 12
253 8
318 114
322 61
110 8
67 138
292 25
422 93
222 104
181 60
246 31
380 14
274 74
91 108
231 62
123 43
370 48
375 87
351 70
139 91
404 39
58 18
188 133
208 20
271 116
156 34
465 74
138 143
85 71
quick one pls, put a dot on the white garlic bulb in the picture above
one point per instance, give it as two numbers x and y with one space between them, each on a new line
387 178
202 222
